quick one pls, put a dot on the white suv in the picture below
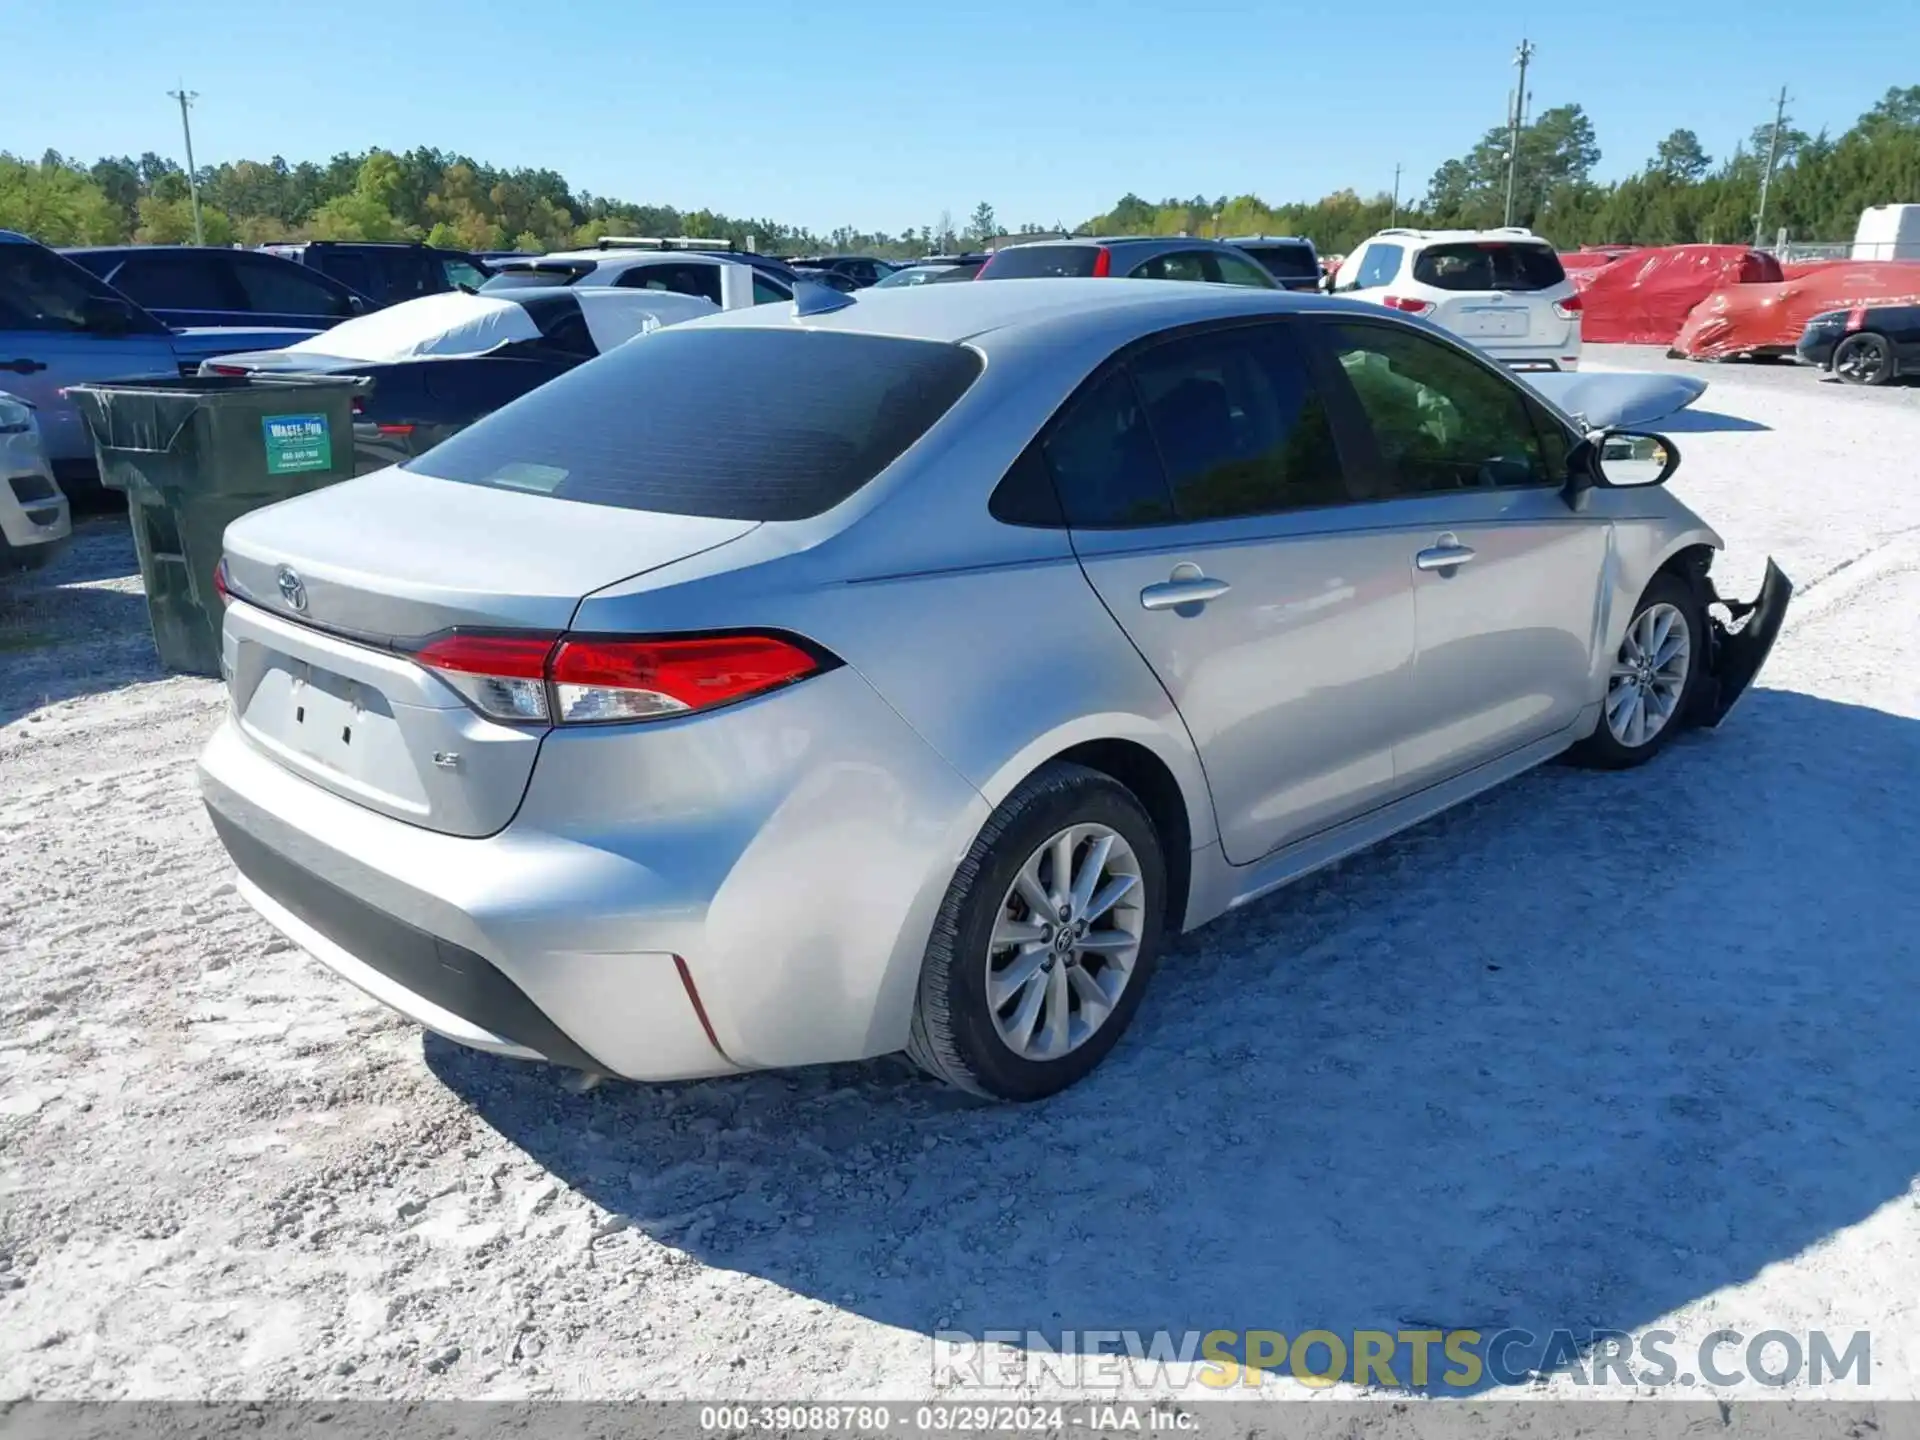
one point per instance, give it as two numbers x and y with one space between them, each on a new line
711 269
1504 290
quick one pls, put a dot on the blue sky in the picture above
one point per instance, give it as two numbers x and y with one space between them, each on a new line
883 115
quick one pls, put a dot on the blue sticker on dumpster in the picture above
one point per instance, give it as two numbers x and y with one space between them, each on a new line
297 443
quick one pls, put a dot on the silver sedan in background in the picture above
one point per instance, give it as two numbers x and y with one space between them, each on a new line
822 680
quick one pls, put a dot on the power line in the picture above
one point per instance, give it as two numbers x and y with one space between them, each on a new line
186 97
1521 57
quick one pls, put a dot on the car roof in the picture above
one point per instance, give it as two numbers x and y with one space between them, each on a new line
624 259
1516 233
1004 308
1268 240
1184 242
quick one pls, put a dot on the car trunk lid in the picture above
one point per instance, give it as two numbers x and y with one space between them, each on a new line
337 588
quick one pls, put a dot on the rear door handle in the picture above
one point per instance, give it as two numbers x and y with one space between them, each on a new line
23 366
1443 557
1194 589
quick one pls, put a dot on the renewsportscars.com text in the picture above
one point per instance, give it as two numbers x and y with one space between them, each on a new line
1398 1359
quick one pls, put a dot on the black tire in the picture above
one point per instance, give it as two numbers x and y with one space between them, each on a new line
954 1038
1602 750
1864 359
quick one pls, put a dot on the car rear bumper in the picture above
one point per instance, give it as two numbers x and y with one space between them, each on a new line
1563 356
779 920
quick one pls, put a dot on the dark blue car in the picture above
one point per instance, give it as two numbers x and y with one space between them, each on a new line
205 285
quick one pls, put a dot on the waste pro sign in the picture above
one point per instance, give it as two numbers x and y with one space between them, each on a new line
297 444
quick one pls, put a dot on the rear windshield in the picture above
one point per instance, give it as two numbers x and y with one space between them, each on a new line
1488 265
1286 262
1024 262
519 277
738 424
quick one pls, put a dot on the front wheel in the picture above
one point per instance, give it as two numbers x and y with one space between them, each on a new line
1043 946
1653 679
1864 360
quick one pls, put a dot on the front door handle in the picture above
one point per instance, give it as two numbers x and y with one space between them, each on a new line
23 366
1186 586
1444 556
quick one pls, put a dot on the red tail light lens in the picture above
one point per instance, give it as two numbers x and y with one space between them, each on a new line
220 585
226 369
1569 308
638 679
1408 304
543 679
394 429
1103 262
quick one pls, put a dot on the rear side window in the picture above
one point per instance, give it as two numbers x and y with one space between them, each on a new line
1286 262
274 287
740 424
1104 466
1378 266
1488 265
1177 265
41 291
352 271
688 278
1240 427
766 292
1026 262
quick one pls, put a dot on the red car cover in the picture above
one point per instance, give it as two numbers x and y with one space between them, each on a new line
1768 319
1643 297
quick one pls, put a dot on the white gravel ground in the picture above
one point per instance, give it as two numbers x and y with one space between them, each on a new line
1594 1051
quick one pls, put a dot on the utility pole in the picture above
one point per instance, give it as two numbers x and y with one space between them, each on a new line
1396 194
1521 57
186 97
1766 176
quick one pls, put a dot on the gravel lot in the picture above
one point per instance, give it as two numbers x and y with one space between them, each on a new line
1593 1051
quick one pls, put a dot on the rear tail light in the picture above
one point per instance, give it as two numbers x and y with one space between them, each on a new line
590 680
1856 319
217 369
394 429
1408 304
359 405
220 585
1103 262
1569 308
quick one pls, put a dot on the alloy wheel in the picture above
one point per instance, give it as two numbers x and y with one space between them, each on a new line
1860 364
1065 942
1650 675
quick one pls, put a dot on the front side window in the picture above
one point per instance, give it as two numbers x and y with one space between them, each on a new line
1443 421
41 291
1240 427
765 292
460 274
273 287
811 417
1235 271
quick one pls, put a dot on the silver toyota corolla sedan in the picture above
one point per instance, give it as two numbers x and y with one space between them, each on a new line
857 675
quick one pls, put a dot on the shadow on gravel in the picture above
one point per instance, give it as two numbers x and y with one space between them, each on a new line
1703 422
1569 1057
63 633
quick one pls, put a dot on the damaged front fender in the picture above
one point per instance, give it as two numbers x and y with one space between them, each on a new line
1739 646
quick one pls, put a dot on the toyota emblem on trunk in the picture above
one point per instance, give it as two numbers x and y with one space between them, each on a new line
292 589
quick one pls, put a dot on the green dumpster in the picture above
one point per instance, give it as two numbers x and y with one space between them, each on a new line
194 454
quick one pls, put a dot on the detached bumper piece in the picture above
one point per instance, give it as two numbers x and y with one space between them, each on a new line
1734 656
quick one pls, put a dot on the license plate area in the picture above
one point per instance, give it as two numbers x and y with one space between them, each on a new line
1492 320
344 728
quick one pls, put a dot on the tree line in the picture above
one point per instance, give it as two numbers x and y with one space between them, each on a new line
1819 185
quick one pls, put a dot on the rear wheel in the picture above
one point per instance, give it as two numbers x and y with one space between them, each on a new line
1864 360
1043 946
1653 679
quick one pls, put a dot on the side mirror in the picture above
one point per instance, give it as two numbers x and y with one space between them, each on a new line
1619 460
1628 459
107 315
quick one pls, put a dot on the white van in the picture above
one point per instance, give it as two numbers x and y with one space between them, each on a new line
1888 232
